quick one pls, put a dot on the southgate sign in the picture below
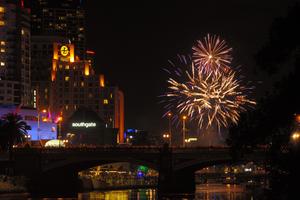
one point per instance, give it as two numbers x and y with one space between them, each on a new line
84 124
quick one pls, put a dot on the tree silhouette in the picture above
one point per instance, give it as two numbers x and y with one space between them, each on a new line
13 131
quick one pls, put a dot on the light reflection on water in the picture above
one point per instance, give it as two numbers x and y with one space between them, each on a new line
203 192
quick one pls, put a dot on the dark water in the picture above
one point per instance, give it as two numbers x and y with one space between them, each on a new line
203 191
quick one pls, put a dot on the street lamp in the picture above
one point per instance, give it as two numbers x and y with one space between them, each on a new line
170 131
295 137
59 120
183 130
39 116
297 118
167 136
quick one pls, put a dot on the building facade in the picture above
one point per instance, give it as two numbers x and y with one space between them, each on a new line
15 54
65 18
41 62
75 84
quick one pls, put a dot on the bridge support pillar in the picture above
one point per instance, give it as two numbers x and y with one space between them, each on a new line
170 182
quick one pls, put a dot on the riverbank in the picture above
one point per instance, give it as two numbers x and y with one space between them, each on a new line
9 184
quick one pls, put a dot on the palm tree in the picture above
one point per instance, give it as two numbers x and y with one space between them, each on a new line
13 131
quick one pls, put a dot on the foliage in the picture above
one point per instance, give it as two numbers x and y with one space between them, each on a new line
12 130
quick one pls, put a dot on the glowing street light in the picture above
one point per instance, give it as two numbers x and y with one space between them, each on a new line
170 128
167 136
59 120
295 137
297 118
183 130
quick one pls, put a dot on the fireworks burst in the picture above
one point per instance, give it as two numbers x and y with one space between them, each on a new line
209 98
212 54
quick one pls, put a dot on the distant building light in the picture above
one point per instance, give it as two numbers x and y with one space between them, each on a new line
2 63
247 169
2 50
101 80
2 43
2 9
67 78
105 101
90 52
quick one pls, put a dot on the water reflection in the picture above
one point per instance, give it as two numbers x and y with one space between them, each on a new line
147 194
222 192
203 192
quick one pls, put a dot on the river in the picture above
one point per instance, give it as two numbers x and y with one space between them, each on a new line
203 191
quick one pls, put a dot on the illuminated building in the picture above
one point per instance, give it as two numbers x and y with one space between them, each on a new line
113 109
65 18
41 65
14 54
85 126
75 84
41 128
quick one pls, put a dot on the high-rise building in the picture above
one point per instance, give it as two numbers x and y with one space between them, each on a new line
41 62
65 18
75 84
15 53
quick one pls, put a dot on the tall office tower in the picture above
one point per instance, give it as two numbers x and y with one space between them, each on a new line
15 53
113 109
75 84
41 62
65 18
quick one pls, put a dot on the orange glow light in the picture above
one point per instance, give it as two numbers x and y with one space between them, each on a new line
86 69
102 83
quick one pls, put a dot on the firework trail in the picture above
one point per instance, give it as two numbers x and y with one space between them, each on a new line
209 97
212 54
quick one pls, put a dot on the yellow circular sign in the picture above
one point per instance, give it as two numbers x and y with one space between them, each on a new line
64 50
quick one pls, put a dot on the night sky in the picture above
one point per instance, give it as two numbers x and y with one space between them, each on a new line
133 43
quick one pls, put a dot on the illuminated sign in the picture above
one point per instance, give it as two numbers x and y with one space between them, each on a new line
84 124
64 50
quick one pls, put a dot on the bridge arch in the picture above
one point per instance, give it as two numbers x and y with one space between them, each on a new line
79 164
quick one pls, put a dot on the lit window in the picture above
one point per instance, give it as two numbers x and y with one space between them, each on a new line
2 64
60 66
22 31
67 107
82 84
2 23
2 9
67 67
2 50
3 43
111 96
67 78
105 101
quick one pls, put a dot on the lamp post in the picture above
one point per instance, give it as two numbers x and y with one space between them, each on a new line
170 131
183 130
39 117
167 136
59 119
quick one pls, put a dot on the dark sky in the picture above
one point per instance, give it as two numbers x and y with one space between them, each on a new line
133 42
